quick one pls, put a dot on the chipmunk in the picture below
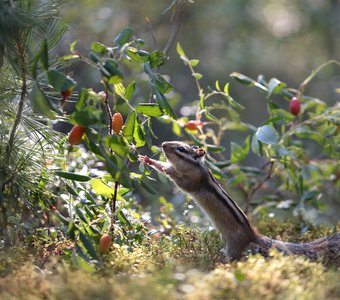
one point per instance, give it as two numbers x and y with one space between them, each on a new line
185 167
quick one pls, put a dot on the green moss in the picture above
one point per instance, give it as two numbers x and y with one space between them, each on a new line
185 265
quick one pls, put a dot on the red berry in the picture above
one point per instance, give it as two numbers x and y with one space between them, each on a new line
66 93
295 106
117 122
193 124
76 134
104 243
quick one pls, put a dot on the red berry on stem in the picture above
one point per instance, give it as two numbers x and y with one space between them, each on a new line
76 134
193 124
295 106
104 243
66 93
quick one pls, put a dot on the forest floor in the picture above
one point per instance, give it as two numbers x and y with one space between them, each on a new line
187 264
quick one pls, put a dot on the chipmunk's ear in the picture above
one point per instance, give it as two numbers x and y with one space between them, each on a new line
200 152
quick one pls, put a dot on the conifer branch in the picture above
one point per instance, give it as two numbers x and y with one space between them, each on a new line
18 116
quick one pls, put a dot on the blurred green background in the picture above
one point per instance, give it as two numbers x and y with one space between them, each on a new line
283 39
286 39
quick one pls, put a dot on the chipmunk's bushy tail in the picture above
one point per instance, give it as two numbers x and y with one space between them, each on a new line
326 248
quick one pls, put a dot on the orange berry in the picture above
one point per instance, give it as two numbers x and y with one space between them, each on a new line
117 122
76 134
104 243
193 124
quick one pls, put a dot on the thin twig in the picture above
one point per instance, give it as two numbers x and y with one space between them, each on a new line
257 187
108 110
176 18
21 52
314 73
114 196
113 205
152 32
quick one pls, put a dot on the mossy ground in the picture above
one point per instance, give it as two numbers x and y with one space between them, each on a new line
187 265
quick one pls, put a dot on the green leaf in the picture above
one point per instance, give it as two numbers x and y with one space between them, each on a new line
80 213
130 89
238 154
101 188
307 133
122 218
281 115
232 102
111 67
248 81
71 190
217 86
116 144
267 135
198 76
163 86
164 105
176 129
129 126
139 56
255 145
73 46
99 48
118 169
73 176
139 134
194 62
60 81
214 148
157 58
149 109
275 86
83 96
180 50
210 116
82 262
64 220
119 89
148 188
226 88
94 57
215 170
88 244
242 79
148 132
124 36
40 103
84 118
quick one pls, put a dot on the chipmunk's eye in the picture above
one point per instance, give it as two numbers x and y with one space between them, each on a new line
180 149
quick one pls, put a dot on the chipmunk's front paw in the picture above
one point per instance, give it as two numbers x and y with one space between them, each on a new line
145 159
